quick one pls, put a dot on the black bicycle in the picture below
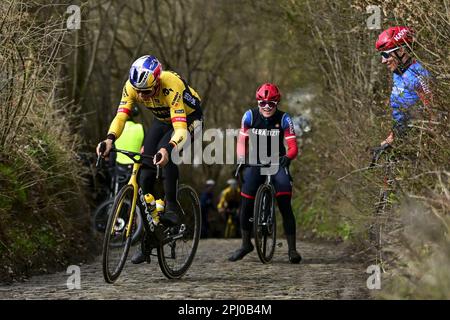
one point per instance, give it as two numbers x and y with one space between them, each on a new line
264 217
176 246
385 199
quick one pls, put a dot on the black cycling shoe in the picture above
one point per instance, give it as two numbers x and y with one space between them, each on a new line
138 257
294 256
240 253
170 217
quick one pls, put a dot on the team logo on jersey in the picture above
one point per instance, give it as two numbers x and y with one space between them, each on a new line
176 98
166 91
124 92
189 98
424 84
398 91
265 132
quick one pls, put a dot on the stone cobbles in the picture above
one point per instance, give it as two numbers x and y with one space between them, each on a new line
325 273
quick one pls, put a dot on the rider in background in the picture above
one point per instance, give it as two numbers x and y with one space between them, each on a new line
410 78
267 120
177 111
229 202
206 204
131 139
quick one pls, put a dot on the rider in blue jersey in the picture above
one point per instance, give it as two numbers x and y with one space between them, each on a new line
410 78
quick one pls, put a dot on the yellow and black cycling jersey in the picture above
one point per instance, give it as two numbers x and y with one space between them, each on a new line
229 198
172 104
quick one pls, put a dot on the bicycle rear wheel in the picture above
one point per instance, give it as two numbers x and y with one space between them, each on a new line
179 245
264 223
116 243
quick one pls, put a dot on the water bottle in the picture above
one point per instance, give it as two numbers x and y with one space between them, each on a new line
160 206
151 205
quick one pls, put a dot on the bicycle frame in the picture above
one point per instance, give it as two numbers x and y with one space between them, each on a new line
157 235
134 183
137 192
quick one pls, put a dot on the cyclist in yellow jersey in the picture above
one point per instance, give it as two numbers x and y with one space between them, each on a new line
229 203
177 111
230 197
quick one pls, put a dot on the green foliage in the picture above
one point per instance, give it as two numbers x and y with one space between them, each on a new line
42 203
337 192
12 190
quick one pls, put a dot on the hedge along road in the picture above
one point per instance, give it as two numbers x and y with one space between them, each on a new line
326 272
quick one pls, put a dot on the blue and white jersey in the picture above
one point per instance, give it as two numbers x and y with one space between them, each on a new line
408 88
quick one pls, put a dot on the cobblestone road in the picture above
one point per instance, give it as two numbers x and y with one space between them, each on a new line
325 273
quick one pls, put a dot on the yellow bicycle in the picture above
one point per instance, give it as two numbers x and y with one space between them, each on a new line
230 226
176 245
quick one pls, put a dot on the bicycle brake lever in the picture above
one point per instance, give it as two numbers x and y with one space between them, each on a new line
158 170
377 151
238 169
99 157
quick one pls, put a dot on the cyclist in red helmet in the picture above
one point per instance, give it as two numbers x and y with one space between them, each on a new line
410 78
264 122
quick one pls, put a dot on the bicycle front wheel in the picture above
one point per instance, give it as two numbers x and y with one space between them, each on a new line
264 223
102 214
179 244
117 240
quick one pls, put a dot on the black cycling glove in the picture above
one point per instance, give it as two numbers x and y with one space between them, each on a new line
284 161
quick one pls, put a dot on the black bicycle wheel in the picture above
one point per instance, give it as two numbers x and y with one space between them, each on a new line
177 250
116 243
264 223
383 207
101 215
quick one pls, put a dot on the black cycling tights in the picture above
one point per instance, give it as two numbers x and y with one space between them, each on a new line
157 136
170 174
284 204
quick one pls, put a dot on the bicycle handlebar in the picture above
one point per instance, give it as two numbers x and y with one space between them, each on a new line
129 154
258 165
377 152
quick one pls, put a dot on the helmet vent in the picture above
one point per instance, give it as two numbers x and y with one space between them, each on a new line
141 77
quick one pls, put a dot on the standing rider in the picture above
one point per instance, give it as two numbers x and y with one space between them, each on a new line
229 202
229 197
264 121
206 204
177 111
410 79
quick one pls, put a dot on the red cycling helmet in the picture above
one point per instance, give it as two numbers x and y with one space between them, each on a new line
268 92
394 37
